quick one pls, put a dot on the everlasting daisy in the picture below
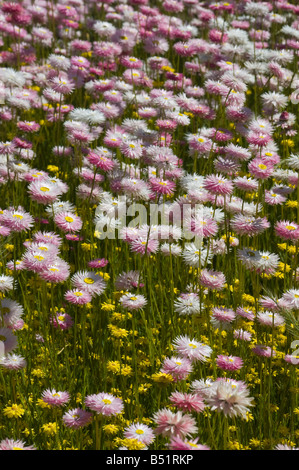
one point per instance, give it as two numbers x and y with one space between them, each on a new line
270 319
78 296
104 403
242 335
171 424
290 299
229 398
229 362
89 282
178 367
222 317
11 444
218 184
177 443
141 432
210 279
13 361
133 301
17 219
77 418
287 230
54 398
187 402
68 221
6 283
192 349
61 320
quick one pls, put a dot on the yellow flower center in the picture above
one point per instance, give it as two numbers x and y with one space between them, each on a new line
39 257
18 216
69 219
262 166
139 431
89 280
106 401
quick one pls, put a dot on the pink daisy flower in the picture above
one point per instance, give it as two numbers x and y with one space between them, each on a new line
229 362
177 443
263 350
68 221
242 335
144 246
104 403
78 296
287 230
53 398
11 444
13 362
132 301
47 237
28 126
178 367
77 418
56 271
37 261
92 283
212 279
141 432
268 318
250 226
187 401
259 169
222 317
98 263
191 349
17 219
61 320
291 359
177 424
161 186
217 184
245 312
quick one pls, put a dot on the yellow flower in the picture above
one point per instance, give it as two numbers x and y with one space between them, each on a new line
9 247
255 442
117 332
38 372
14 411
248 298
292 204
53 168
132 444
50 428
162 378
282 246
110 428
107 307
43 404
143 388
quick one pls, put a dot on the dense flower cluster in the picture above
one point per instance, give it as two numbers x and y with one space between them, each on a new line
149 225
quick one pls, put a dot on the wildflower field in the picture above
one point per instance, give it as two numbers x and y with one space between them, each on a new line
149 223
